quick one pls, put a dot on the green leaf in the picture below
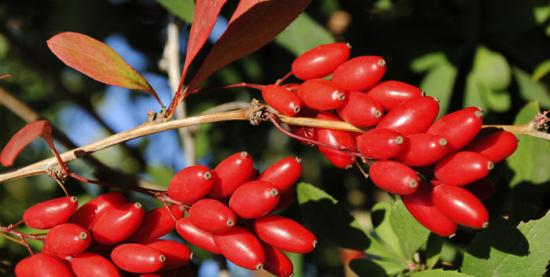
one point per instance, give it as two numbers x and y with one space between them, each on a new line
330 220
472 96
505 250
541 70
531 159
439 82
98 61
292 38
183 9
411 234
380 215
439 273
364 267
498 101
427 61
492 69
530 89
434 247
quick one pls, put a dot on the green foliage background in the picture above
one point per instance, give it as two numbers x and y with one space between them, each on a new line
493 54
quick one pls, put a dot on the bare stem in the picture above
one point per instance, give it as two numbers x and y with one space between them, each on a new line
237 115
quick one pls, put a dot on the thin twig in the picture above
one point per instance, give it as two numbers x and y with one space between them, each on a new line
170 62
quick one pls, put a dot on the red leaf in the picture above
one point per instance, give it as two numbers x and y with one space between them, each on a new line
98 61
252 29
206 14
23 138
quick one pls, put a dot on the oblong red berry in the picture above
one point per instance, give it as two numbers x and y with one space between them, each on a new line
337 138
67 240
177 254
380 144
254 199
460 205
420 205
42 265
458 128
359 73
394 177
283 174
360 110
230 173
276 262
86 214
92 265
422 149
242 248
125 220
196 236
191 184
137 258
285 234
412 117
305 132
49 213
462 168
495 146
321 95
157 223
391 94
212 216
282 99
320 61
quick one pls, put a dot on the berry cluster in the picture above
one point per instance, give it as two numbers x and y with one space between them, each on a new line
231 194
104 235
109 234
434 165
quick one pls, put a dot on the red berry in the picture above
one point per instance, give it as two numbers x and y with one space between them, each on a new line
285 200
254 199
282 99
196 236
380 144
336 138
86 214
191 184
232 172
137 258
462 168
422 149
283 174
495 146
321 95
285 234
92 265
460 205
320 61
125 220
212 216
305 132
422 209
276 262
177 254
42 265
292 86
157 223
359 73
242 248
47 214
391 94
482 189
360 110
394 177
412 117
67 240
458 128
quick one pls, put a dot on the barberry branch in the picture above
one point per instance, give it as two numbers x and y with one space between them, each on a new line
150 128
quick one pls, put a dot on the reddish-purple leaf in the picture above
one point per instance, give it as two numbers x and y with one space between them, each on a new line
206 14
98 61
254 24
24 137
